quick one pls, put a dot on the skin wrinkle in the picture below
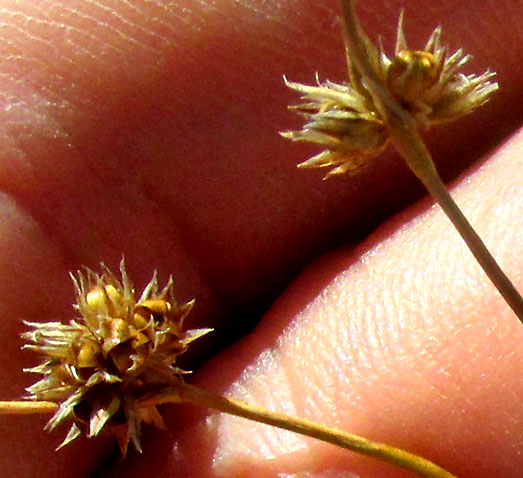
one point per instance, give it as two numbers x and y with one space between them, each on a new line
330 391
19 64
118 33
110 41
22 57
298 373
110 12
346 353
76 38
27 117
271 444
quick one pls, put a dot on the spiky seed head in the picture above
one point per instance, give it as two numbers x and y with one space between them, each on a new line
426 83
119 350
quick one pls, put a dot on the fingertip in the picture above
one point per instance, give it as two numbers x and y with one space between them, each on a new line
407 343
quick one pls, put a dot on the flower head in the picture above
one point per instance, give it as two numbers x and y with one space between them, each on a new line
120 350
426 83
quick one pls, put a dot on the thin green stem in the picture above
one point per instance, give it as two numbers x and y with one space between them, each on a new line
408 142
396 456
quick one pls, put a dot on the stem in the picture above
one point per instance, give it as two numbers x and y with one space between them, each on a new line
408 142
191 394
485 259
26 407
186 393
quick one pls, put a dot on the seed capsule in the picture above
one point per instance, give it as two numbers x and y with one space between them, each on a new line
411 73
116 352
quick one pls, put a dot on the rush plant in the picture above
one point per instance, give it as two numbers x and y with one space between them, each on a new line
108 368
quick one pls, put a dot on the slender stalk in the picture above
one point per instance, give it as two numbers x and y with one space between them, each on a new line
504 285
404 459
186 393
408 142
26 407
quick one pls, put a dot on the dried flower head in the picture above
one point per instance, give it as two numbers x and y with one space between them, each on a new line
426 83
100 366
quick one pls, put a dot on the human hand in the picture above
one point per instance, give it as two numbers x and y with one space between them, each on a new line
150 131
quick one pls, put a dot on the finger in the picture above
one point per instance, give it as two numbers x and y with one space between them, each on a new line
142 144
402 340
105 108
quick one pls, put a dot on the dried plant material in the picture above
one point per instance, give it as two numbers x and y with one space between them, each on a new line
346 120
100 366
111 367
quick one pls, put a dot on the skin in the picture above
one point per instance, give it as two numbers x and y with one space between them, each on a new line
150 131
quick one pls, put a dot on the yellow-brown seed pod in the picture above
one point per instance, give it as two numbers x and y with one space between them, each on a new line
412 72
100 366
343 118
